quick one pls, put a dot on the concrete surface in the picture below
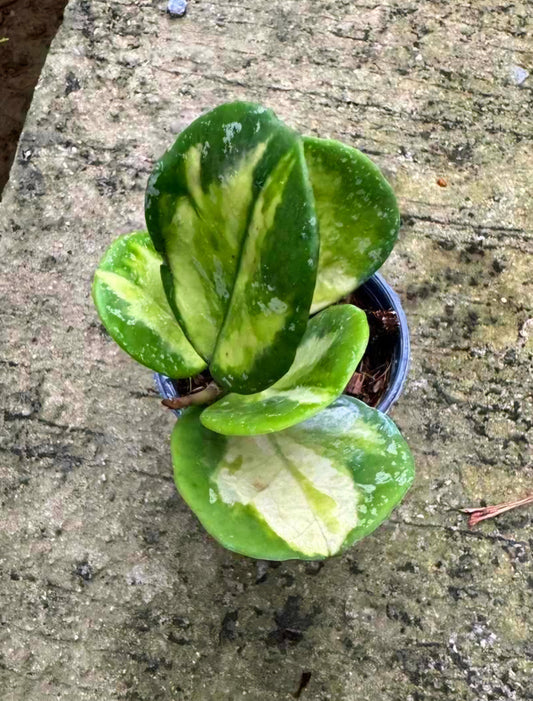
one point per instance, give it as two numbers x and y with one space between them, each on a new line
108 587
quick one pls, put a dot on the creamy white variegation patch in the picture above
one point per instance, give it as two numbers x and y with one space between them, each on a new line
303 497
254 319
298 395
203 238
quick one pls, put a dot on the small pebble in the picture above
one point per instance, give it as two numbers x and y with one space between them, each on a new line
177 8
519 74
441 182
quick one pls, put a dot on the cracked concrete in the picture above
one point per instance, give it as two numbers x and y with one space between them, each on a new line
109 589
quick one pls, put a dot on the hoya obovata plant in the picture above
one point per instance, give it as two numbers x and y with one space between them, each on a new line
254 234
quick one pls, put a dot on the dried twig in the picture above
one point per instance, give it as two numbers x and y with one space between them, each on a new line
482 513
207 395
355 385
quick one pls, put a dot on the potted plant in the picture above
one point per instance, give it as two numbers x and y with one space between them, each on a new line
254 235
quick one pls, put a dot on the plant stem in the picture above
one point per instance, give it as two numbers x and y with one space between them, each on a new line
482 513
207 395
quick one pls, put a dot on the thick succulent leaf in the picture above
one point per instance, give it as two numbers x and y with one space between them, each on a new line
230 208
358 217
272 295
307 492
327 356
129 297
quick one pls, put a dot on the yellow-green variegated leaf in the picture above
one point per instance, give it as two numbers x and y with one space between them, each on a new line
327 357
230 207
358 218
130 300
306 492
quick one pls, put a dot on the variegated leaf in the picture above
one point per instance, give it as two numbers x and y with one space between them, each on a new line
327 356
132 305
358 218
307 492
231 209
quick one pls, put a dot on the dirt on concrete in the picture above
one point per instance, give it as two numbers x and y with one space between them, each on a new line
109 587
26 29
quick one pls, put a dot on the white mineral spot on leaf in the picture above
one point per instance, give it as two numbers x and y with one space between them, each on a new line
118 314
230 130
382 477
152 190
403 478
368 488
219 278
277 306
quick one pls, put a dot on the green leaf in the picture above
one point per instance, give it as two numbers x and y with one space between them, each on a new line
327 356
307 492
132 305
358 218
230 208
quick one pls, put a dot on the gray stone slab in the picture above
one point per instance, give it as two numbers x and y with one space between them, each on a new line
109 589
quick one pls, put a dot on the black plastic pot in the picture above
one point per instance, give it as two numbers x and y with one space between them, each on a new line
376 294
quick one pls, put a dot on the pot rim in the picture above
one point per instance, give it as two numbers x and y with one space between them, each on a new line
382 294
